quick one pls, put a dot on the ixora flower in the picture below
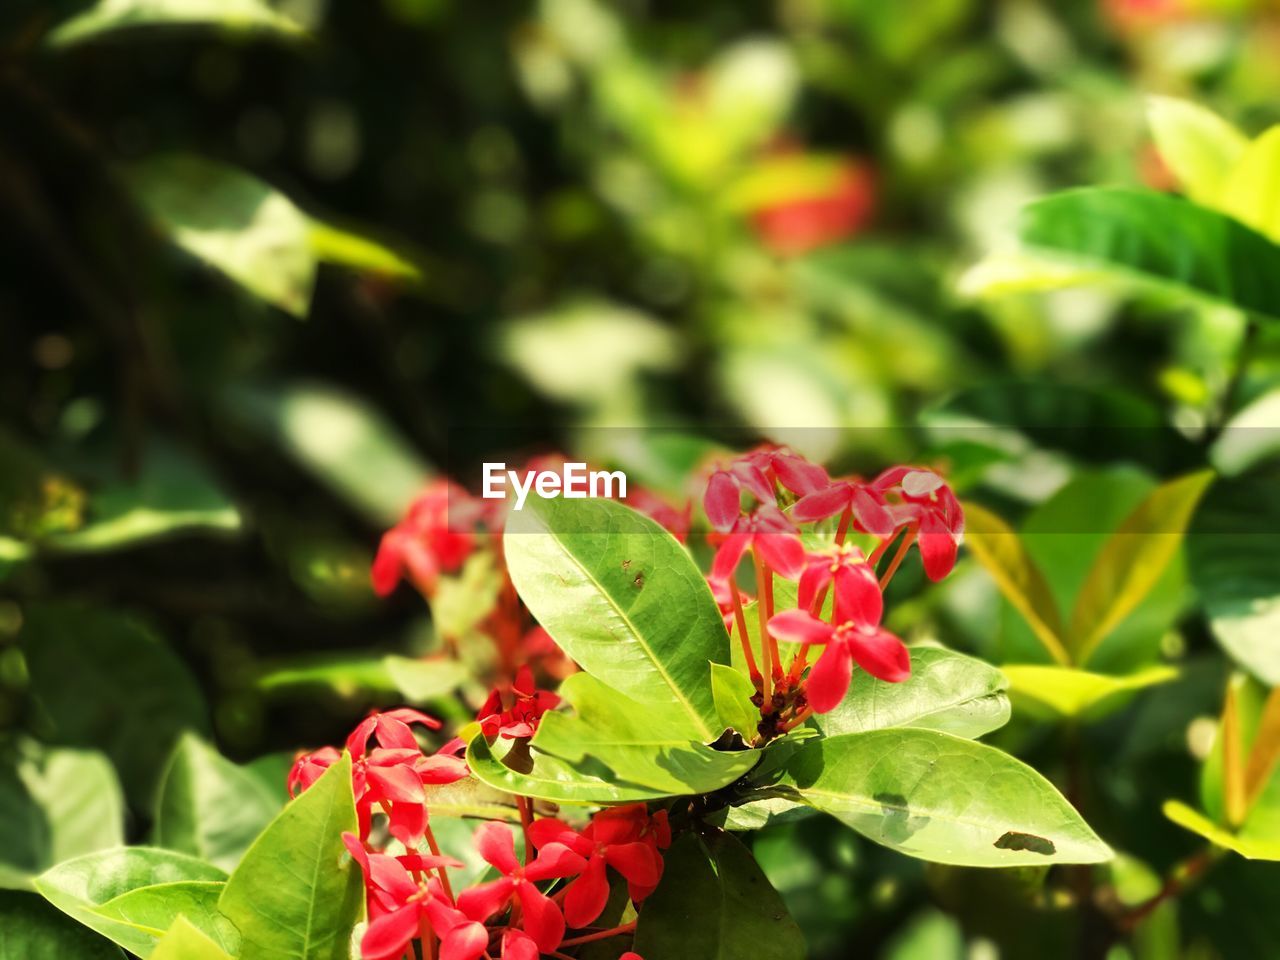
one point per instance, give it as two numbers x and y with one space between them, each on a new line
540 917
623 838
863 502
856 637
520 719
768 533
922 500
757 473
436 536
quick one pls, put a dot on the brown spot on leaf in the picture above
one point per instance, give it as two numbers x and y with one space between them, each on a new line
639 580
1026 841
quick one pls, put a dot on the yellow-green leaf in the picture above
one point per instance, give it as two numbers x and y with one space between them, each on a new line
1197 145
183 941
1248 846
1251 193
1068 692
1131 561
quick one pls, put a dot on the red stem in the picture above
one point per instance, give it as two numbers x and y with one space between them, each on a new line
435 851
600 935
745 640
766 648
898 557
526 818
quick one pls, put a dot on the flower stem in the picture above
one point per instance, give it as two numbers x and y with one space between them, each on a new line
766 649
1180 879
898 557
741 619
600 935
435 851
798 719
526 818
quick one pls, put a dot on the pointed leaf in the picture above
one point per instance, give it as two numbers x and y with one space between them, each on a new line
209 807
297 893
714 903
1197 145
1251 193
938 797
1068 692
623 599
946 691
1248 846
234 16
1132 561
132 894
185 941
1002 554
732 691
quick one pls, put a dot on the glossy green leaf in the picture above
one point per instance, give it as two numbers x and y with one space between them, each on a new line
1153 239
209 807
610 748
132 894
234 16
80 801
622 598
172 494
1198 146
1249 845
1233 557
941 798
1131 562
1002 554
105 681
185 941
296 893
639 743
714 903
1251 192
31 929
732 691
343 441
332 244
232 221
349 675
1047 691
946 691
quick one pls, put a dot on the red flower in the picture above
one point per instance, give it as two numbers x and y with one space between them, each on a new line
436 535
784 466
518 945
843 565
863 501
924 499
398 903
675 520
805 223
613 839
724 600
770 534
520 720
858 638
540 916
723 498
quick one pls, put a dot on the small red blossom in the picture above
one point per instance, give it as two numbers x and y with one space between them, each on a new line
436 536
805 223
784 466
520 719
921 497
863 501
612 839
857 637
723 498
770 535
846 567
540 917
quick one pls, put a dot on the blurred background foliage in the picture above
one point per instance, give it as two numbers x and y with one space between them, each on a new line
266 268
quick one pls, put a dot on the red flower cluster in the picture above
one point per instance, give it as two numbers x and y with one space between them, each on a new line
756 504
518 717
817 219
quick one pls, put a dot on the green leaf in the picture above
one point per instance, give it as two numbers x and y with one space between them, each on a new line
946 691
31 929
941 798
233 16
1004 557
184 941
232 221
1249 438
622 598
714 903
350 674
610 748
732 691
132 894
1251 193
346 444
1046 691
1131 562
80 802
1198 146
172 494
1153 239
209 807
1233 558
349 249
105 681
1249 846
297 893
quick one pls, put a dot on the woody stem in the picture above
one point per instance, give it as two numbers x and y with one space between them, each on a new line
741 619
526 818
798 719
435 852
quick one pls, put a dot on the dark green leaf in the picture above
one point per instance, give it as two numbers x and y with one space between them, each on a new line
31 929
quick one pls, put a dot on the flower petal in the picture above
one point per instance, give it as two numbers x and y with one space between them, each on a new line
829 677
729 555
816 576
542 919
466 941
858 596
881 654
587 896
722 501
821 504
799 626
495 844
937 547
783 552
485 899
638 862
389 935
